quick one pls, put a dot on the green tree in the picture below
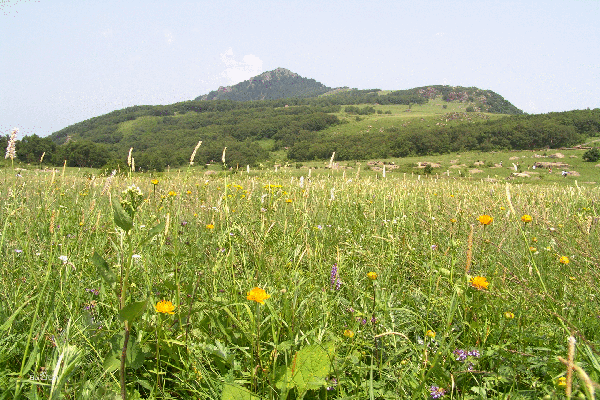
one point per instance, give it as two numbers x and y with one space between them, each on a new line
592 155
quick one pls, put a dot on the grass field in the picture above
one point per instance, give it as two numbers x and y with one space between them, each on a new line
338 284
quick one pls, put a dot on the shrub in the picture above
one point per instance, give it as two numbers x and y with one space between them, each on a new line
592 155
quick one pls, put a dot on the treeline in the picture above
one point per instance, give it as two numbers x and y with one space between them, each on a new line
165 135
551 130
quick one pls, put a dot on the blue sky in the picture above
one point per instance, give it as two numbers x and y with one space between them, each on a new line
67 61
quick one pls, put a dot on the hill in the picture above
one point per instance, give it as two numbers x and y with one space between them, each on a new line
318 120
277 84
282 83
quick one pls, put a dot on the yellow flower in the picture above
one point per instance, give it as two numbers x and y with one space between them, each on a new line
258 295
372 276
526 218
154 182
349 333
172 194
479 282
210 226
563 260
288 200
509 315
430 333
532 249
189 192
562 381
485 219
453 220
165 307
502 208
534 239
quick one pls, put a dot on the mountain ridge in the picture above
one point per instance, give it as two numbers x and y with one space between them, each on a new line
282 83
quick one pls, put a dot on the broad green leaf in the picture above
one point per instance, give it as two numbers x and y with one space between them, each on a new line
122 219
235 392
103 268
153 232
309 368
132 311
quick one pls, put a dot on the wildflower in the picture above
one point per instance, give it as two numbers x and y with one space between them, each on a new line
460 355
194 153
165 307
430 334
154 182
502 208
526 218
64 259
562 381
509 315
485 219
436 392
563 260
136 256
348 333
336 283
372 276
534 239
171 194
18 251
210 226
288 200
12 141
532 249
188 192
453 220
257 294
479 282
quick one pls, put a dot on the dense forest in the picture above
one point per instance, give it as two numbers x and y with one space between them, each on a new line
525 132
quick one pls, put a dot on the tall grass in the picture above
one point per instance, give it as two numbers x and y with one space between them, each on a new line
420 329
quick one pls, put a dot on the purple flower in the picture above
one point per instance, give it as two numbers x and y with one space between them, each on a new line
473 353
336 283
460 354
437 392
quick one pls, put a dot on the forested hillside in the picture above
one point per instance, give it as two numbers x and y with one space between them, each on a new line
356 124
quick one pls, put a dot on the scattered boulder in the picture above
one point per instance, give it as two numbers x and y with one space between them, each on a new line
475 171
423 164
557 155
551 165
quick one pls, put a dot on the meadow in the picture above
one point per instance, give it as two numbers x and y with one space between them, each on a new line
297 284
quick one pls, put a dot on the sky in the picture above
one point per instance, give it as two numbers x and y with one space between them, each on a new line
62 62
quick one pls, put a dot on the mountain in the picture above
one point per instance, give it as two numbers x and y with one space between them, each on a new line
282 83
277 84
279 112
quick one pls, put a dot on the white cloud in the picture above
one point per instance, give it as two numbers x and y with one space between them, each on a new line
238 71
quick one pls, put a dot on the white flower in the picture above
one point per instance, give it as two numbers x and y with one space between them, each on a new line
64 259
136 256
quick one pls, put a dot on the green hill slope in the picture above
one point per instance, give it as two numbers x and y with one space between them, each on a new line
301 119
